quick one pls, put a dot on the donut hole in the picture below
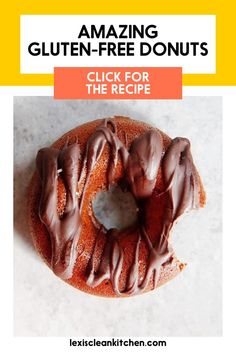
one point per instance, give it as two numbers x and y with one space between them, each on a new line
115 208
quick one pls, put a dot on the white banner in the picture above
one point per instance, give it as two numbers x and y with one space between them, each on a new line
186 41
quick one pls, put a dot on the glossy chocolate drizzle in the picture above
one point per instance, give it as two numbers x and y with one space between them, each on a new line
63 231
141 163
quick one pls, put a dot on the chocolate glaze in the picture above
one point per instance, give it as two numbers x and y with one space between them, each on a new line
110 265
105 133
63 231
141 164
179 174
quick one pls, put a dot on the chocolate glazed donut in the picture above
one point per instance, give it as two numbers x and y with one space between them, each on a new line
160 174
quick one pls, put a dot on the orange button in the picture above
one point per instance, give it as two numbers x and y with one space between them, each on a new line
117 83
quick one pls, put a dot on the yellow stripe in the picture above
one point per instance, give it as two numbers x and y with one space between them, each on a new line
10 32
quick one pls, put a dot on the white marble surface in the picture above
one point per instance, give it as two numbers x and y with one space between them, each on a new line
190 305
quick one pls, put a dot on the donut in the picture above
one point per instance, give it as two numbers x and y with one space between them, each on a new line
121 152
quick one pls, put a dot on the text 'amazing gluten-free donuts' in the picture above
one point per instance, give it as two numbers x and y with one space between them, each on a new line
160 174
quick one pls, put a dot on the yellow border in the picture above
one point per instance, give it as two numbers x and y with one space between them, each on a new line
10 23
